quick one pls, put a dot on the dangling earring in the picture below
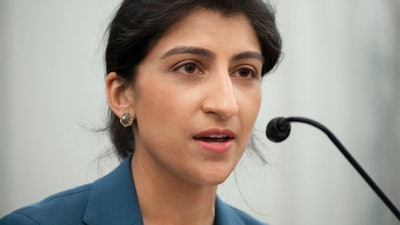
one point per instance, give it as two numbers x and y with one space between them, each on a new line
126 119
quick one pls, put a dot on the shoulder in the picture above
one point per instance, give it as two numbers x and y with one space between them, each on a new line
101 202
52 210
229 215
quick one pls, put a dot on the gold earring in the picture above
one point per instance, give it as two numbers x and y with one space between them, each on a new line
126 119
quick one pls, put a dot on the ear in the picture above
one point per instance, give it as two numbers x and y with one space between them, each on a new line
119 94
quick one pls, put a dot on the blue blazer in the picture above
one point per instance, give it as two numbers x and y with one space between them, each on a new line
111 200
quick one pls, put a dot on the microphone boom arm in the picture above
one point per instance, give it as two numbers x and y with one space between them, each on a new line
283 125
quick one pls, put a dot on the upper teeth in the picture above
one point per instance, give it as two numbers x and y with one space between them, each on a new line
216 136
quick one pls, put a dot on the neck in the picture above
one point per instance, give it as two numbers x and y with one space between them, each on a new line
165 199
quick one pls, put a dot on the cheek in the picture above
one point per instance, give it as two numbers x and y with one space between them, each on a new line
153 112
249 108
250 103
153 104
161 106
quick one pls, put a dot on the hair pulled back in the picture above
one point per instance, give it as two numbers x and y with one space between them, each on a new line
138 24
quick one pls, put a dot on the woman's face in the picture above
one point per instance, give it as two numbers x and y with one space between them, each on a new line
196 98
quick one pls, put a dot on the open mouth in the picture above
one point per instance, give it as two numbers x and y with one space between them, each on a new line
214 138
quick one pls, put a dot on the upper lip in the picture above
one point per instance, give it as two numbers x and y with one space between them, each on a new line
215 133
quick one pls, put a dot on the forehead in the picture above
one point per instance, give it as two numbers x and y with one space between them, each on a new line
211 29
199 15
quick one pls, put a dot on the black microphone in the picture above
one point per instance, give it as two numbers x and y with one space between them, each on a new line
278 130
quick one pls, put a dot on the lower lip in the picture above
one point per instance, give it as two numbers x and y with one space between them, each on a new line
221 147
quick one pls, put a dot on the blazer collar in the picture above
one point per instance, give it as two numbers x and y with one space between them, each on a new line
113 199
225 215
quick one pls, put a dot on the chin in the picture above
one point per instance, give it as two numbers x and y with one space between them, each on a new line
215 177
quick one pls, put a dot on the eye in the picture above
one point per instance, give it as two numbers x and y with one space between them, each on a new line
188 68
245 72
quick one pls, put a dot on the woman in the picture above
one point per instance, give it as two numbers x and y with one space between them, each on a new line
184 88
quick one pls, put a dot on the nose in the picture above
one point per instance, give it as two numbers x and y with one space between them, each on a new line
220 97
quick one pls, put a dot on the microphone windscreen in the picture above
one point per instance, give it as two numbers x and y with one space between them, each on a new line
278 129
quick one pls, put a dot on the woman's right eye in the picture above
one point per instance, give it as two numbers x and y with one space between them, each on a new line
188 68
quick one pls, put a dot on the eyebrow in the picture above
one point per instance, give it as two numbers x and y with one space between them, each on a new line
248 55
189 50
209 54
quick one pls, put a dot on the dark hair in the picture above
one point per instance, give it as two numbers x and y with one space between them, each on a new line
138 24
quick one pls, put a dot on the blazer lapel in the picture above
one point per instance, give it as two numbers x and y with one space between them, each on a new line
113 199
224 214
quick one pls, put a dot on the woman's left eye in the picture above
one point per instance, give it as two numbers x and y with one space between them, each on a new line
245 73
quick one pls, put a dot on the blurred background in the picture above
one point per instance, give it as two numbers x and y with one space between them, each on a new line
341 67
